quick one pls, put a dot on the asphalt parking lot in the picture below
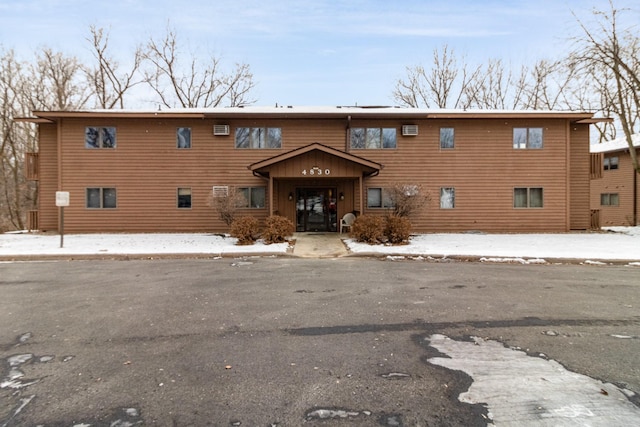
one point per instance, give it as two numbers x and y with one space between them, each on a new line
260 341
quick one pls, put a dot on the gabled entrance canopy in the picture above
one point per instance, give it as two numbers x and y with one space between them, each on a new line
315 164
315 160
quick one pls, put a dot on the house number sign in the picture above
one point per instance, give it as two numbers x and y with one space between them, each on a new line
316 171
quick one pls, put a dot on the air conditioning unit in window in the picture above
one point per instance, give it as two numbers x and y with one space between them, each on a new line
221 129
409 130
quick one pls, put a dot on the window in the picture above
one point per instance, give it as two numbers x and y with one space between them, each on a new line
527 197
99 137
184 198
610 163
447 198
101 198
254 197
373 138
527 138
379 198
446 138
609 199
258 138
183 137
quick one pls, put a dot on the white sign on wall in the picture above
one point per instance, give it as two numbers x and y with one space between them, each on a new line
62 198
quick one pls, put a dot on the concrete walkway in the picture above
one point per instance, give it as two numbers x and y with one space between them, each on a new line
319 245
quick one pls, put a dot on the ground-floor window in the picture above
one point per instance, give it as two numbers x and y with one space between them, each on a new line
184 198
447 198
527 197
609 199
379 198
101 198
254 197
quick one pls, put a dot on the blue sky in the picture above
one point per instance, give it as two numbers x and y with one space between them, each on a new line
308 52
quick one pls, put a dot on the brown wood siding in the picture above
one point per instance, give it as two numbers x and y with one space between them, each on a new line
579 172
483 168
146 168
618 181
48 174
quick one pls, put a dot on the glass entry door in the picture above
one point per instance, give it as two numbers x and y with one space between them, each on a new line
316 209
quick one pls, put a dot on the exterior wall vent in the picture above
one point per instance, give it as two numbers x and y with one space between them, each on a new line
221 129
220 191
409 130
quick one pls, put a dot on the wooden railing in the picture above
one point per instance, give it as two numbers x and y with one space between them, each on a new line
32 166
32 221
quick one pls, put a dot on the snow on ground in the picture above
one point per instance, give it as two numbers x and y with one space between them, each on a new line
613 244
617 243
129 244
519 389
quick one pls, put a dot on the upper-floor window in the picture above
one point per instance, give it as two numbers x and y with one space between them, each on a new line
99 137
527 138
101 198
258 137
373 138
183 137
527 197
610 163
446 138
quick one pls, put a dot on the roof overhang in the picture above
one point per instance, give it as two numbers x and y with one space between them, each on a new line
291 112
368 167
594 120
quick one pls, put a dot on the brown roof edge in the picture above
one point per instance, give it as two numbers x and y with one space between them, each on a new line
37 120
52 115
593 120
315 146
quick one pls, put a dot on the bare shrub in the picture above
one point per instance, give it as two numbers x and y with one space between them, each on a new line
227 204
277 229
397 229
368 229
407 198
245 229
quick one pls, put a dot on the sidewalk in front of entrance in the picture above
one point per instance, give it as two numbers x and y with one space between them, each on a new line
319 245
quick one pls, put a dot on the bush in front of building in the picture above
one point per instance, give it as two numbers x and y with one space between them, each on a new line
397 229
245 229
277 229
368 229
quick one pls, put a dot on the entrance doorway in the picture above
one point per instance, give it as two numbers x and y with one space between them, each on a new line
316 209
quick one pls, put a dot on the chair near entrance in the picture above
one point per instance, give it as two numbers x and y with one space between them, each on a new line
347 221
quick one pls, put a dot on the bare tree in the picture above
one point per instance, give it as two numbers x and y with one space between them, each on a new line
59 82
451 82
192 84
441 86
107 82
610 56
17 195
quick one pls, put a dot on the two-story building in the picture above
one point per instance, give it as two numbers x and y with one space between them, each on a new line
615 185
156 171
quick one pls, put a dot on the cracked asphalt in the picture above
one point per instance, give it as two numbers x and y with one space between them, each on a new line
286 342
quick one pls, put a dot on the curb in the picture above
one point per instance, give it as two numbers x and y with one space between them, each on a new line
435 258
